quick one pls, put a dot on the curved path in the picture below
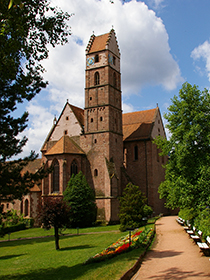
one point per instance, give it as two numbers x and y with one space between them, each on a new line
173 255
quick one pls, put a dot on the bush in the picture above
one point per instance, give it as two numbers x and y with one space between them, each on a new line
202 222
133 208
188 214
81 198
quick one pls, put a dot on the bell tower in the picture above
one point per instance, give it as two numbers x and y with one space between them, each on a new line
102 139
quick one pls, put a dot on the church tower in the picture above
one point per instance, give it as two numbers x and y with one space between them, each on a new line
102 140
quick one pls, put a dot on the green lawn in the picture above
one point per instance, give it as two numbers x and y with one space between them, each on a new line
38 259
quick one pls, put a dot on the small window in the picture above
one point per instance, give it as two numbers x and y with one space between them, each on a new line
91 98
114 60
74 169
114 80
67 118
101 119
7 205
95 141
65 132
96 58
91 120
136 153
96 172
97 79
26 207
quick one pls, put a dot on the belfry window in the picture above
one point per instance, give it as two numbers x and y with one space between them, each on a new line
136 153
96 172
74 169
55 177
97 78
96 58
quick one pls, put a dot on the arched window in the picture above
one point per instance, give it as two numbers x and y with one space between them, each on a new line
55 176
74 169
97 78
96 172
136 153
21 207
114 80
96 58
26 207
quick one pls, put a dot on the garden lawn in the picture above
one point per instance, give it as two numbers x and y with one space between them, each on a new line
38 259
37 232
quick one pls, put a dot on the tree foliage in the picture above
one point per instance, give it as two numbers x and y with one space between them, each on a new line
81 198
55 213
133 208
187 174
26 30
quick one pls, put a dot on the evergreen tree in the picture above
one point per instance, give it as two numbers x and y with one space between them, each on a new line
187 174
133 208
81 198
26 30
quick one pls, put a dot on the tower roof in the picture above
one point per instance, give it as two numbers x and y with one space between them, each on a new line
101 42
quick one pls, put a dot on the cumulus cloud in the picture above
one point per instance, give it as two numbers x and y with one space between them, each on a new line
144 47
203 52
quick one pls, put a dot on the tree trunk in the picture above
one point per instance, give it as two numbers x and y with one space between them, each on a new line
56 238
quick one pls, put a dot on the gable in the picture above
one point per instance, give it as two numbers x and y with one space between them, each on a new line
70 122
103 42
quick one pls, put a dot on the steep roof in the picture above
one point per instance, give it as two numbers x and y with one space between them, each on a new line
138 125
79 114
65 146
101 42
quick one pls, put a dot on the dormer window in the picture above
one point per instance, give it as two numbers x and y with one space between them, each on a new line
96 58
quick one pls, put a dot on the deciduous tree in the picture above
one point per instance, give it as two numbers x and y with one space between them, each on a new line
187 174
55 213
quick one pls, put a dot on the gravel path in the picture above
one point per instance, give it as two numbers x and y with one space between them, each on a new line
174 255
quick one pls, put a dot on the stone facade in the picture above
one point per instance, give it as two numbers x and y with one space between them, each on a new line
110 148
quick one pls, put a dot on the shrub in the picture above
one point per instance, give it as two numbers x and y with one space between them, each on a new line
81 198
202 222
133 208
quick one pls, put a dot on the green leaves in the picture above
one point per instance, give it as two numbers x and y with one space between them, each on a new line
81 198
186 181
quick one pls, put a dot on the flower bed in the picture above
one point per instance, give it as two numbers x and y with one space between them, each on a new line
138 238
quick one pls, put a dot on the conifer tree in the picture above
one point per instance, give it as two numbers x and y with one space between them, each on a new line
26 30
81 198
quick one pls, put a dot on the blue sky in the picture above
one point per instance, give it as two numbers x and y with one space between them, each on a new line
163 43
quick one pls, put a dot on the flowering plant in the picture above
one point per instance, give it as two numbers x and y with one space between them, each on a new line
137 239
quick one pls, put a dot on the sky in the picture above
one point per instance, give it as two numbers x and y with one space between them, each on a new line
163 43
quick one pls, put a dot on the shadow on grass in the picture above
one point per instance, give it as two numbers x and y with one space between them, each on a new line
76 247
32 241
69 272
10 256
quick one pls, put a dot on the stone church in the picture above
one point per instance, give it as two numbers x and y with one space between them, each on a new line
109 147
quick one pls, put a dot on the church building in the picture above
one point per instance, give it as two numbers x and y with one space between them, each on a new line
110 148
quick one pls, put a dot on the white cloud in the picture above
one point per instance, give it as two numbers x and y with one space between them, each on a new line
145 56
203 51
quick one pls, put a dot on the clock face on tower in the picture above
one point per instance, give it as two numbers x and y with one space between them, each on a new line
110 59
90 61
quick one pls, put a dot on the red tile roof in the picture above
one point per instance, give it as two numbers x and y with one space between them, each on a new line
32 167
138 125
65 146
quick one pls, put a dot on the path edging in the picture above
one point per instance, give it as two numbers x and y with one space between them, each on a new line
129 274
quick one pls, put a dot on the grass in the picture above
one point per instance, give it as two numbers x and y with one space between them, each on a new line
38 259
